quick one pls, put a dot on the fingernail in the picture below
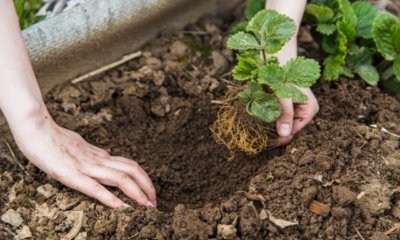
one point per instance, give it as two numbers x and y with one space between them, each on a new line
284 129
126 205
149 204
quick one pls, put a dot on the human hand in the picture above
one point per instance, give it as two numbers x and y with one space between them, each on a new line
295 116
67 157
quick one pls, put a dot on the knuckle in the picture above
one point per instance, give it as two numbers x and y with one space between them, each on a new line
122 178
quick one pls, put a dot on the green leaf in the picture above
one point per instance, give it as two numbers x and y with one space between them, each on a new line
247 66
361 56
265 107
326 29
243 41
271 75
386 34
253 7
290 91
273 29
333 67
392 85
396 67
329 44
348 22
322 14
369 74
260 104
366 14
346 72
342 41
246 95
239 27
302 72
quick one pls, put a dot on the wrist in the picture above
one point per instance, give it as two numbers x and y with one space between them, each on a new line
288 52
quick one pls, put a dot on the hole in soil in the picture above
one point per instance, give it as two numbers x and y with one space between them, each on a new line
185 163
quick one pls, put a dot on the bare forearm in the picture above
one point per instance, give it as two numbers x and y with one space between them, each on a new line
20 97
295 10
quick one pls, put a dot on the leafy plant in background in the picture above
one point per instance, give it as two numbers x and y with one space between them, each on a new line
263 80
356 37
26 11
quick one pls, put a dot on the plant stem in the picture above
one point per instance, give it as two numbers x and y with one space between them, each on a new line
264 55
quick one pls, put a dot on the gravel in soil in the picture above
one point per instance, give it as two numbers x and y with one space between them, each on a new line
157 110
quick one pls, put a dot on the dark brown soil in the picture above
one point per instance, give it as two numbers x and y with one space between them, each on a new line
157 110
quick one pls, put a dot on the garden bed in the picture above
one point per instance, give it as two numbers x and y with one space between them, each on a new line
158 109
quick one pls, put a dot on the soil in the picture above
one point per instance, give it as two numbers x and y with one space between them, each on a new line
157 110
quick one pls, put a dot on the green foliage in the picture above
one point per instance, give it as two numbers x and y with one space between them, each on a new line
253 7
356 37
267 32
26 11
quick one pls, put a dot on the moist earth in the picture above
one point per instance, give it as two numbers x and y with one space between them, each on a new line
158 109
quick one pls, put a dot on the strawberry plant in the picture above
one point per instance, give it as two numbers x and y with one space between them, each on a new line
263 79
357 39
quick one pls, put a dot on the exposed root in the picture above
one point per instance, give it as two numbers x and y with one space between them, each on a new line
237 130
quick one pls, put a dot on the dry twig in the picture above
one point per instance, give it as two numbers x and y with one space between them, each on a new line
392 229
123 60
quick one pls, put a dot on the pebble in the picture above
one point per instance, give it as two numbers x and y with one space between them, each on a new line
46 190
12 217
23 233
178 48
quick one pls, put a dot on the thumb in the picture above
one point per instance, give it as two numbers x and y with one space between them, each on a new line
284 123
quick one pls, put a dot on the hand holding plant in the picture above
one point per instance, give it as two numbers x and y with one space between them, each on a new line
265 81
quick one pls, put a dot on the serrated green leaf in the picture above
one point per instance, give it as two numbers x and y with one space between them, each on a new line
302 72
243 41
271 75
342 41
369 74
265 107
366 14
239 27
253 7
347 29
247 66
359 57
396 67
246 95
326 29
348 23
346 72
272 28
386 34
322 14
260 104
333 67
290 91
352 48
328 44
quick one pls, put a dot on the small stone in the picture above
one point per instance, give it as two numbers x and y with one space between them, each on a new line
159 78
158 110
12 217
154 63
214 85
178 48
226 231
23 233
220 62
343 195
81 236
46 190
